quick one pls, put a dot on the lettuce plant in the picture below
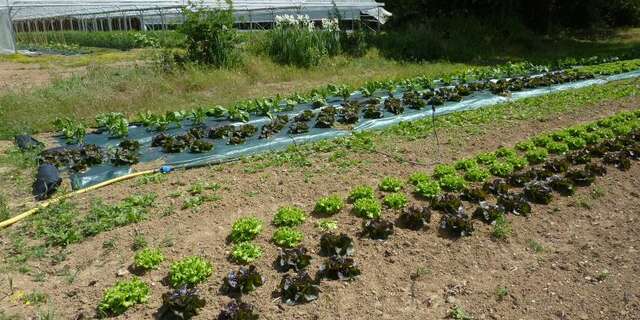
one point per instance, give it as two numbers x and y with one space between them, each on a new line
414 217
391 184
293 259
377 229
361 192
287 237
537 155
501 169
486 158
189 271
236 310
442 170
245 280
122 296
557 147
246 252
289 217
332 244
452 182
476 174
428 189
418 177
245 229
395 200
367 208
183 303
329 205
466 164
327 225
148 259
339 268
299 288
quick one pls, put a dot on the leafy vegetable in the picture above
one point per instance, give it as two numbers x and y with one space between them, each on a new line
245 229
452 182
396 200
236 310
538 192
442 170
329 205
488 212
339 268
367 208
581 178
537 155
414 217
561 185
391 184
361 192
295 259
246 252
501 169
457 225
115 122
73 131
474 195
447 203
289 217
514 203
201 146
476 174
148 259
377 229
327 225
189 271
332 244
287 237
183 303
122 296
496 187
428 189
297 289
245 280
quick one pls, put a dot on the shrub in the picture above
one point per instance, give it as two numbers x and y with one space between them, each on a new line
537 155
429 190
287 237
122 296
289 216
395 200
148 259
246 229
361 192
452 182
246 252
476 174
368 208
189 271
501 169
391 184
442 170
210 36
329 205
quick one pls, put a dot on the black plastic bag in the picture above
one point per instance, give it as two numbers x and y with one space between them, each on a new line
47 181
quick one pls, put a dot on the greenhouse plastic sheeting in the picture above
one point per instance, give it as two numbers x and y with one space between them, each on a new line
223 152
7 45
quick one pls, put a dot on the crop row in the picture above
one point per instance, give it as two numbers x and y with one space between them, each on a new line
415 94
495 184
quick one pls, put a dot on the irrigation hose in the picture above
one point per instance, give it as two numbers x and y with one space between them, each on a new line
49 202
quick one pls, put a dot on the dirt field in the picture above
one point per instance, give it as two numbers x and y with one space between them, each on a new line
584 265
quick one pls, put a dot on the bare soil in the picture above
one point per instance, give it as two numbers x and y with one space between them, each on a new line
21 76
587 268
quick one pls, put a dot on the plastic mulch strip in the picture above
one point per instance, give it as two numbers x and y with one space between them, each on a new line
223 152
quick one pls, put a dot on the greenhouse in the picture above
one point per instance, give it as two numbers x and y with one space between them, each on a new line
99 15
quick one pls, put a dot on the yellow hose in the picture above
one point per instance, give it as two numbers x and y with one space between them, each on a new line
49 202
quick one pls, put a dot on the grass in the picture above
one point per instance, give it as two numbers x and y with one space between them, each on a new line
104 87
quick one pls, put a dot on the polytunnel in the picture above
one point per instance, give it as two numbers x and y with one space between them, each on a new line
17 16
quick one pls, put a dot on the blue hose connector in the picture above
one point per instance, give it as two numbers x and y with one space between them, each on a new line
166 169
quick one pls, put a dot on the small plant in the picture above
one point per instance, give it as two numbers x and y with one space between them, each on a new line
73 131
419 177
327 225
367 208
287 237
503 152
189 271
442 170
183 303
122 296
339 268
517 162
486 158
115 122
391 184
289 217
501 227
501 169
525 146
452 182
476 174
415 217
300 288
246 252
429 189
377 229
395 200
332 244
361 192
148 259
557 147
329 205
466 164
245 280
535 246
246 229
296 259
237 310
537 155
457 313
139 242
501 293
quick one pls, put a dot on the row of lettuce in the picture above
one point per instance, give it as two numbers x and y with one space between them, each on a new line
493 184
